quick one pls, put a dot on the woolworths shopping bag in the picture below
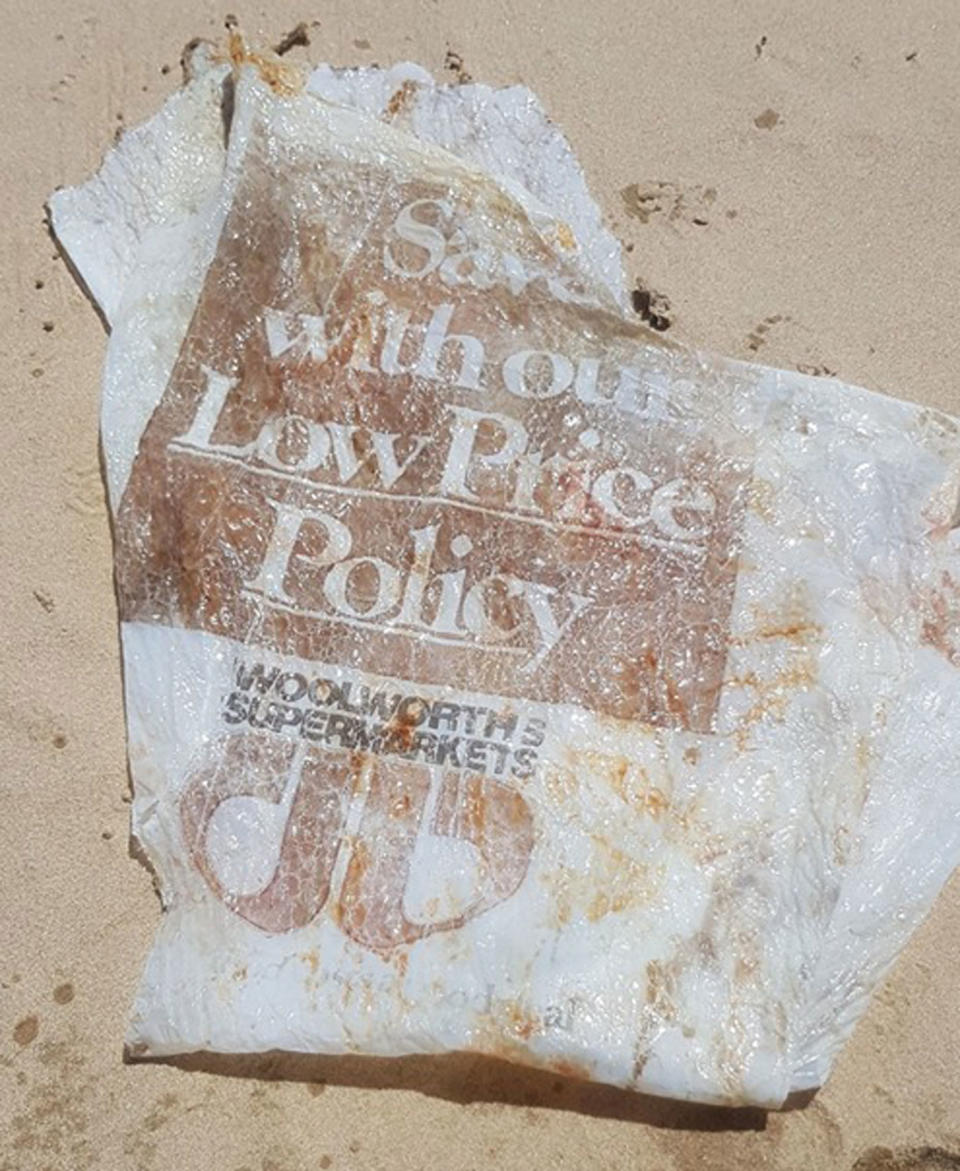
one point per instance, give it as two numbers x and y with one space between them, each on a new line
499 676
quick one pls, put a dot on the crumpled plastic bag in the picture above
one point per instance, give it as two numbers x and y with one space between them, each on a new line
500 676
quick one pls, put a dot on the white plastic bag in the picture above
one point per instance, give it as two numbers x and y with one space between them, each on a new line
499 676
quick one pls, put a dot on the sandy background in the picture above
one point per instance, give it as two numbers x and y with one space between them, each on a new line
787 177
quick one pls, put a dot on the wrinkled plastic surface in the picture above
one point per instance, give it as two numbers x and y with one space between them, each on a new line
499 676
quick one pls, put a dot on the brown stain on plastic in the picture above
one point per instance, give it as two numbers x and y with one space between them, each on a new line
519 1022
401 729
655 803
771 696
285 80
400 100
941 623
619 772
223 509
800 632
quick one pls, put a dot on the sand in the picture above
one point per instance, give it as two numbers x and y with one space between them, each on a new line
785 176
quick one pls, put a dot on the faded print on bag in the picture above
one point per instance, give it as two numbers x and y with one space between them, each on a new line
386 446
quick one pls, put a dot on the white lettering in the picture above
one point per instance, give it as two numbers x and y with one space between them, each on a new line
338 579
682 496
293 443
422 235
308 334
476 613
470 350
463 439
210 408
271 578
382 452
517 379
604 492
538 599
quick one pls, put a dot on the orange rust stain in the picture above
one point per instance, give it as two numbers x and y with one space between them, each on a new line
772 696
402 730
400 100
285 80
691 755
311 959
401 961
617 770
615 882
796 632
523 1025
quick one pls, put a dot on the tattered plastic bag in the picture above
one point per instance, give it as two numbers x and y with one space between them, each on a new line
500 676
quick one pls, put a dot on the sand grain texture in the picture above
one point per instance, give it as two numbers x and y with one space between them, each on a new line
785 177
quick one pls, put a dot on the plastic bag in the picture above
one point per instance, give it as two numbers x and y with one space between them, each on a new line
499 676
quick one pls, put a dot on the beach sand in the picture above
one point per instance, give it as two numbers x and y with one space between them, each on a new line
786 179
